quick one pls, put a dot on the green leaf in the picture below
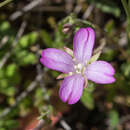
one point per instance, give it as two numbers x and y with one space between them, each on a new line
29 59
28 40
41 95
87 99
91 87
6 88
24 57
46 38
113 118
1 73
11 70
8 124
4 26
9 78
3 83
59 40
25 106
10 91
126 69
109 27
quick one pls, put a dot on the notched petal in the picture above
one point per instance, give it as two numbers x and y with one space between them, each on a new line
100 72
83 44
57 60
71 89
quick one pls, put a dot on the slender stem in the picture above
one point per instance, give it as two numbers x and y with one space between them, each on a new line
15 42
129 4
5 2
125 5
128 29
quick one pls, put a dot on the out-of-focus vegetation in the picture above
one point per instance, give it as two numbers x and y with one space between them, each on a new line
29 91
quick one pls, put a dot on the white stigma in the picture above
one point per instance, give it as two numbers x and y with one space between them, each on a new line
78 68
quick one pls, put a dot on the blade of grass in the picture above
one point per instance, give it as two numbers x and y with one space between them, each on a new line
125 5
129 4
5 2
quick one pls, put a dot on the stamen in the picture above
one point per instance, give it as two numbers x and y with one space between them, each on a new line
70 73
79 68
75 66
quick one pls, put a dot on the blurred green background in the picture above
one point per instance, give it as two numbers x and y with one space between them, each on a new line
29 91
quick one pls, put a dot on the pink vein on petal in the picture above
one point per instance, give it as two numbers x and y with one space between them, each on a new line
71 89
100 72
57 60
83 44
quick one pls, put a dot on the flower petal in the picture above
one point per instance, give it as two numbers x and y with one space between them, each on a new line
100 72
71 89
57 60
83 44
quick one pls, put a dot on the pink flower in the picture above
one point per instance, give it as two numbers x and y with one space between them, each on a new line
77 66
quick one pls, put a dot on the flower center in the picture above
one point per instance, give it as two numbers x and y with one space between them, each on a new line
79 68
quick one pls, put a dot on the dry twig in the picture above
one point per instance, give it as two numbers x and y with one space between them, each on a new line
40 125
65 125
88 11
18 36
27 8
29 89
4 41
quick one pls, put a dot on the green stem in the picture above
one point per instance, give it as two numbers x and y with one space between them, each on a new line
129 5
5 2
127 10
128 28
125 5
